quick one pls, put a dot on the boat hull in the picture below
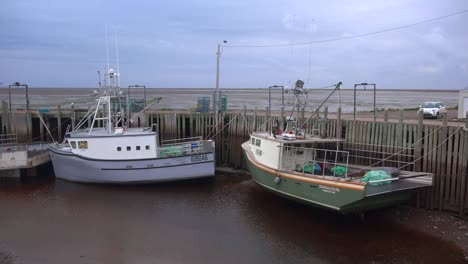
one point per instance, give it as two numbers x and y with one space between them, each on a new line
71 167
334 195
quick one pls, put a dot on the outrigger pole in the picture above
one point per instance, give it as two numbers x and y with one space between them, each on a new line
337 87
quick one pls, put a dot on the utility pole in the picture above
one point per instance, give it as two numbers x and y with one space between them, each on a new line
217 104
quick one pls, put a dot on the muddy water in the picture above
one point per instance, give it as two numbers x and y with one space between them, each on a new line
228 219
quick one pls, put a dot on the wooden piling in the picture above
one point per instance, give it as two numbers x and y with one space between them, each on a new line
41 126
59 122
73 116
419 138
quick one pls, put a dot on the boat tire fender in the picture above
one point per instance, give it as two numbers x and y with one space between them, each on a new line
277 180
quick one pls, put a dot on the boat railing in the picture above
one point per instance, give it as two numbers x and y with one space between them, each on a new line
315 161
9 142
179 141
186 148
375 155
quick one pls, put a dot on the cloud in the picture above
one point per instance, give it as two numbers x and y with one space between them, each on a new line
170 44
299 24
430 69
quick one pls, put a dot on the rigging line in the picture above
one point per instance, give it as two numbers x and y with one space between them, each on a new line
213 128
45 125
85 117
404 149
235 118
218 120
352 36
308 69
52 130
337 87
434 148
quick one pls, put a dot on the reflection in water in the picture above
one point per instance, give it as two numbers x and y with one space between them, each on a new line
227 219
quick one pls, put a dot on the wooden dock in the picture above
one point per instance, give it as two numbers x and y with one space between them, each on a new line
440 149
16 157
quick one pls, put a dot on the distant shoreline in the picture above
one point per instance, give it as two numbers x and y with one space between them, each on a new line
240 89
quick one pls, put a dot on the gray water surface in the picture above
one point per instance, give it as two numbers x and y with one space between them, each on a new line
228 219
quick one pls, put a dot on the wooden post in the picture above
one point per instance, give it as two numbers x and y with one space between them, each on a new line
29 126
183 118
282 118
400 130
302 117
267 118
41 126
442 162
47 123
418 145
464 168
255 120
323 129
73 116
466 121
89 119
246 124
385 136
339 124
5 118
59 122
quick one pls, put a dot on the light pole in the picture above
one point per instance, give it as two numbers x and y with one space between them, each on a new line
129 109
217 104
144 94
269 98
375 107
282 94
17 84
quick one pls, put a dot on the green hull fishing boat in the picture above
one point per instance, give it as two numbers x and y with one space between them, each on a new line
313 170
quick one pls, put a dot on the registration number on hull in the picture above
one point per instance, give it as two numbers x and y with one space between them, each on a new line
199 158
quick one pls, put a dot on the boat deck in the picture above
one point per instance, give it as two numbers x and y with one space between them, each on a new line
305 139
400 185
102 132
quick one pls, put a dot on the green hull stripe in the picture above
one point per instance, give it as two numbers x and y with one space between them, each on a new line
298 197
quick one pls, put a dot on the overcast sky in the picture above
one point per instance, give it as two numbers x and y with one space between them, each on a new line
59 43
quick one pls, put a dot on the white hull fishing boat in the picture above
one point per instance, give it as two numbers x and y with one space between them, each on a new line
116 153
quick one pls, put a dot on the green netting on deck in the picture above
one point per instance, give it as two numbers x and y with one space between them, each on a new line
170 152
339 171
377 175
312 168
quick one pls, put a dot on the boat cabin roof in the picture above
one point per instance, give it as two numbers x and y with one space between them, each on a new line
102 132
298 140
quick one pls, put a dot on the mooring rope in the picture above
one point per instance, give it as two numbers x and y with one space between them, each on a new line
235 117
404 149
434 148
42 121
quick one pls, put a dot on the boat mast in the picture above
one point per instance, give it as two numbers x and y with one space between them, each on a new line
111 90
298 92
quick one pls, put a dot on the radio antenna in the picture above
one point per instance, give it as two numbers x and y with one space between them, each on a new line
117 56
107 55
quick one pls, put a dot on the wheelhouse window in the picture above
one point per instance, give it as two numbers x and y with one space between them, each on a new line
147 147
253 141
258 142
129 148
73 144
82 144
119 148
137 147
